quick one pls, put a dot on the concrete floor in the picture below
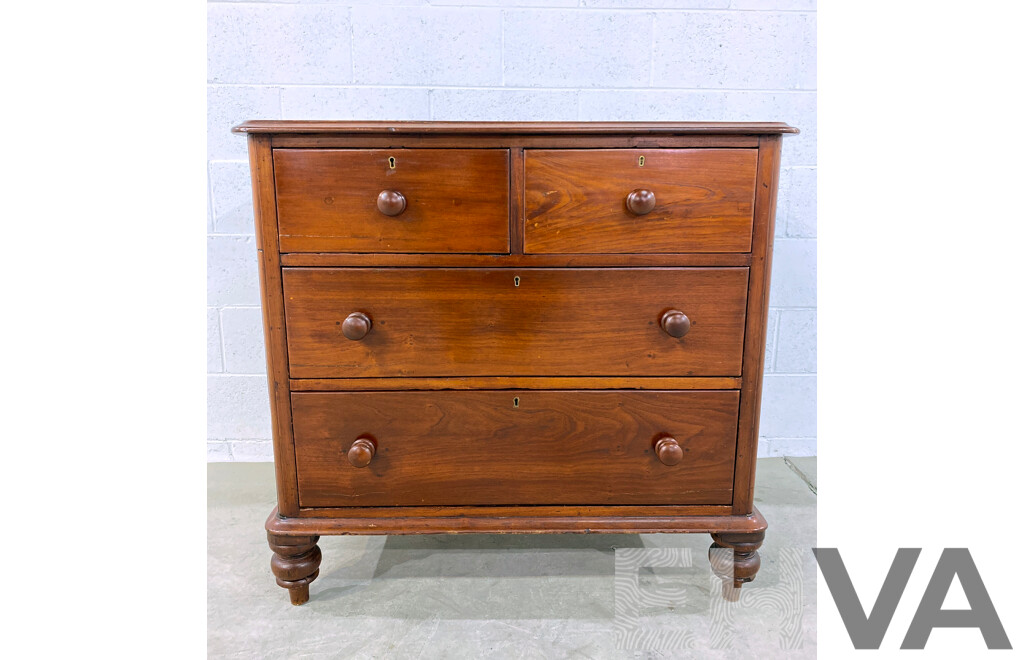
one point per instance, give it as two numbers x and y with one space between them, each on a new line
505 596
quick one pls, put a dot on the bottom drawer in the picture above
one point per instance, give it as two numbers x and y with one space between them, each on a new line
515 447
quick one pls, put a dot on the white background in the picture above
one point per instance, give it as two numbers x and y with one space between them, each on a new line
920 360
105 280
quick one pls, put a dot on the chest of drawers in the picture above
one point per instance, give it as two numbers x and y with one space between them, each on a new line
514 327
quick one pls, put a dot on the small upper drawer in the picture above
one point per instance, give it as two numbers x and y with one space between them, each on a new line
639 200
392 200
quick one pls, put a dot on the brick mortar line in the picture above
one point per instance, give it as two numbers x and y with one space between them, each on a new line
228 374
351 46
654 36
269 85
223 348
569 8
209 196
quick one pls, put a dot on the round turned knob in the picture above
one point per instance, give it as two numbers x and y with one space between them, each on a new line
362 450
390 202
668 450
356 326
675 323
640 201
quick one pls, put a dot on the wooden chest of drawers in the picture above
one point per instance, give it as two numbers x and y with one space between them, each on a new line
497 327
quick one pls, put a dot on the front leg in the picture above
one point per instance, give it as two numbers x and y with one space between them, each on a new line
738 566
296 563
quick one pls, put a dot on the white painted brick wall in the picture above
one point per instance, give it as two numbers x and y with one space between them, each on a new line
728 60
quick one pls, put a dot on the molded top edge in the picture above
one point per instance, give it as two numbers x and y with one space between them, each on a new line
513 127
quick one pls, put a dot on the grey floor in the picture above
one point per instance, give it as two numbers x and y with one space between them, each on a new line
510 596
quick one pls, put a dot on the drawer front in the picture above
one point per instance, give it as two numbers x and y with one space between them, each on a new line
528 322
687 200
434 200
514 447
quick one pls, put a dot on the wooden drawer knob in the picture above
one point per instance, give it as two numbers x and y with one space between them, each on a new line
668 450
390 202
675 323
640 201
356 326
362 450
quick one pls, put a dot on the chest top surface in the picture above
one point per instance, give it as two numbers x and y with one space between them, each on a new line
519 128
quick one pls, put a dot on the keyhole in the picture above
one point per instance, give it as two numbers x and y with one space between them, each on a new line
515 402
641 161
391 162
516 280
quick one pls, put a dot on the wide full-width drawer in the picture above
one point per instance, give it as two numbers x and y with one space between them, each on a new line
366 322
514 447
392 200
639 200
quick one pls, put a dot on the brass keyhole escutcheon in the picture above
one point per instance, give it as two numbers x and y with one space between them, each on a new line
516 280
515 402
391 162
641 161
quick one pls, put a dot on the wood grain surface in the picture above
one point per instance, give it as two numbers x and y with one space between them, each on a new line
576 200
547 510
382 140
768 163
261 165
519 520
457 200
467 128
478 322
356 260
516 383
514 447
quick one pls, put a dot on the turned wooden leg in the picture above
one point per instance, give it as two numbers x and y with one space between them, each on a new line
738 566
296 563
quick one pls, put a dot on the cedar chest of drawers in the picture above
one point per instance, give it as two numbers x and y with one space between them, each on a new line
514 327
